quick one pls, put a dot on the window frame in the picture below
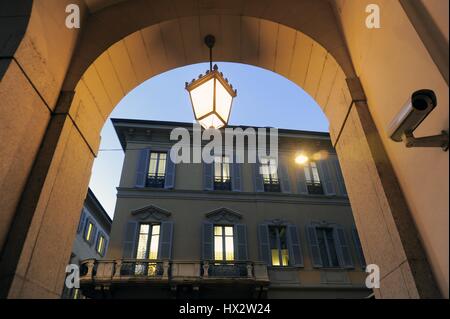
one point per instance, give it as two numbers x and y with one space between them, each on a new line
149 240
278 244
159 180
100 236
223 236
270 184
314 187
218 182
331 229
90 240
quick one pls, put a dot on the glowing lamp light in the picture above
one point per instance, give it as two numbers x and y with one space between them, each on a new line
211 95
301 159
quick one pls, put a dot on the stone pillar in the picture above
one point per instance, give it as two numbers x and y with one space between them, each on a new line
385 225
39 243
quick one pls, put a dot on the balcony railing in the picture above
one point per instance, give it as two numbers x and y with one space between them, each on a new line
92 271
314 188
272 185
155 181
222 184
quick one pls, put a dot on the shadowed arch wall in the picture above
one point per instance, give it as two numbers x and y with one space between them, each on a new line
54 173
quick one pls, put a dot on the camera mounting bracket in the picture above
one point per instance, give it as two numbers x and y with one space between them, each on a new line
441 140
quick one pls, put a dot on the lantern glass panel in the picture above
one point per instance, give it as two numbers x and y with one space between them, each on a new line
223 101
211 121
203 98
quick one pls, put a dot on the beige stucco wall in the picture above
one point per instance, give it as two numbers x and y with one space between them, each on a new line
392 62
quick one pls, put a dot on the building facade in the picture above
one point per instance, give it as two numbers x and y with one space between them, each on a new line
228 229
92 238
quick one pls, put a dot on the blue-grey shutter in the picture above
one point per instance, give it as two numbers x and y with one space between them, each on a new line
342 247
236 175
169 181
82 221
240 242
301 181
208 176
284 176
326 178
295 250
142 167
257 178
130 237
358 246
165 242
264 244
342 190
314 249
207 241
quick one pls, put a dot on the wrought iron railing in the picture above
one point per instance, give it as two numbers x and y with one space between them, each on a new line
314 188
155 181
272 185
142 268
222 184
225 269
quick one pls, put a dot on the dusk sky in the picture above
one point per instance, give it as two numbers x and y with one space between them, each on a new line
264 99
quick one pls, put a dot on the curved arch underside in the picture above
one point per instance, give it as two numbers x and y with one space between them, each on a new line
179 42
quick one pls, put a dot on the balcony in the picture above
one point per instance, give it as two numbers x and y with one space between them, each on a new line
272 185
126 277
155 181
222 184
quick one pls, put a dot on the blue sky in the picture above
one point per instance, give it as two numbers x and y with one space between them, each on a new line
264 99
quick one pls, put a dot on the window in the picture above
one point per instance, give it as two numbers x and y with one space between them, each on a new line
270 176
156 170
222 179
101 244
278 246
89 232
223 243
148 243
327 247
313 182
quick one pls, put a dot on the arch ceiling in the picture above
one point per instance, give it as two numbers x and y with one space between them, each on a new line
175 43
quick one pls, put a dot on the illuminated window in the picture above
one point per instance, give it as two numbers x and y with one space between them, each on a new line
148 241
327 247
89 231
101 244
312 178
223 243
222 179
270 176
278 246
156 169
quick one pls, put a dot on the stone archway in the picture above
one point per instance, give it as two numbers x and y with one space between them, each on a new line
113 55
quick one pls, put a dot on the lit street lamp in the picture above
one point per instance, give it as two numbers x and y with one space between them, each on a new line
211 95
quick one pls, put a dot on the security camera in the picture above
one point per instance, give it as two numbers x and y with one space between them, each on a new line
416 109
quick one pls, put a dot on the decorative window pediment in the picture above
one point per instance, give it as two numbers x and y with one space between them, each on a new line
224 215
151 212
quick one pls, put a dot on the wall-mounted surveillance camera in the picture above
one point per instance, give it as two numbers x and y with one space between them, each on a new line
415 110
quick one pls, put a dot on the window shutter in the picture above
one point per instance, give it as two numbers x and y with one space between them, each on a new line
301 181
257 178
295 250
170 173
358 246
129 241
236 173
240 242
284 176
342 190
325 178
142 167
208 176
316 258
82 221
342 247
207 241
264 244
165 242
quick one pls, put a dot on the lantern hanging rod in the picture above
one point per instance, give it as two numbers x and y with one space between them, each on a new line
210 41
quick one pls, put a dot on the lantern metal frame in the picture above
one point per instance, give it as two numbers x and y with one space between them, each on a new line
212 73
